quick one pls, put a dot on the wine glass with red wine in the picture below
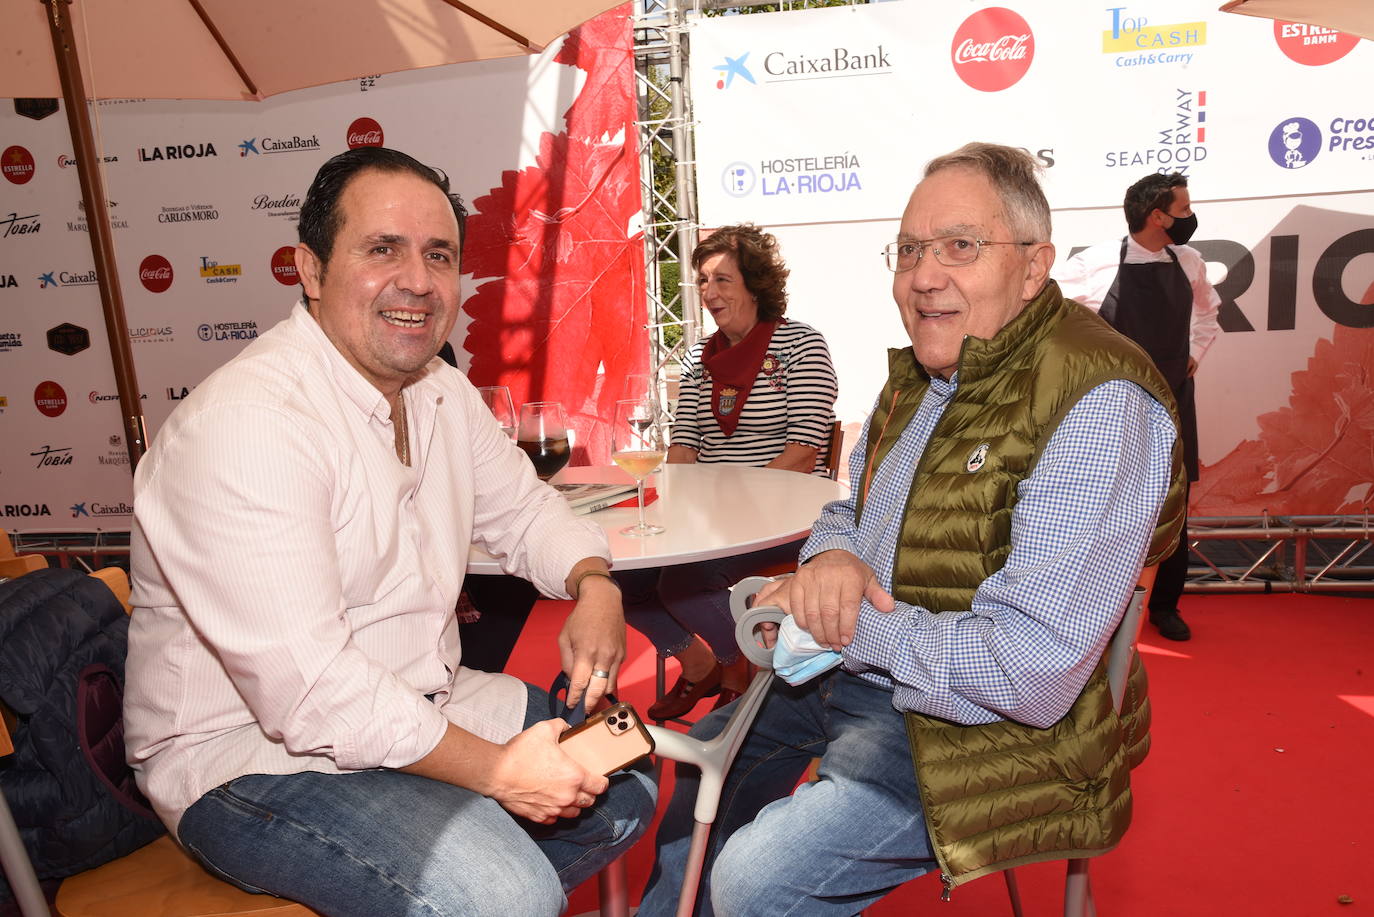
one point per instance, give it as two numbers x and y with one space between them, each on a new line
543 433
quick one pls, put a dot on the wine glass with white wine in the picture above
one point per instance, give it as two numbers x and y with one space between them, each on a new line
637 446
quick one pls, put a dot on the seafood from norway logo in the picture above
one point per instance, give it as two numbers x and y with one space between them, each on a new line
364 132
16 164
1137 43
993 49
1312 45
155 273
1181 142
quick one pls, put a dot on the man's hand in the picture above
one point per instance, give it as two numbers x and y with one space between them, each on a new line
593 637
533 778
823 596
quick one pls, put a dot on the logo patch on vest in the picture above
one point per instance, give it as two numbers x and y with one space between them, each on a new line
977 458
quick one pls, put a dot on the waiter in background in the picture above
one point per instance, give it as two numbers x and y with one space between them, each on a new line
1153 288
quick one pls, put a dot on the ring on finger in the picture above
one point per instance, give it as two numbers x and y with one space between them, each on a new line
600 673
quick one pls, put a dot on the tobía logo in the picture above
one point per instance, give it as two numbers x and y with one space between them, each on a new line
49 398
1294 143
1312 45
155 273
993 49
364 132
16 164
284 266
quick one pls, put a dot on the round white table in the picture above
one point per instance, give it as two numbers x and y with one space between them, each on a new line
707 511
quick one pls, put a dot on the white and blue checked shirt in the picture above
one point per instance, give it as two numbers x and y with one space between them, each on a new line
1037 627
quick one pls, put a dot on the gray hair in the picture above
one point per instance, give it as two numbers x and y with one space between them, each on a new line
1014 175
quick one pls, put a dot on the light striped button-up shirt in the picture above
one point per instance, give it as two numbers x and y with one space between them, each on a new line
1080 529
294 584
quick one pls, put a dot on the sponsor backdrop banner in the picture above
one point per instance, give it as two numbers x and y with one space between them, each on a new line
816 124
204 200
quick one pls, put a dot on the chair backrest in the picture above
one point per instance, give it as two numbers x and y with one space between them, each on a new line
13 565
833 449
1121 649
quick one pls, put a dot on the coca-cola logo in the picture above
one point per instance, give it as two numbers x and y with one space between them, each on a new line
284 266
155 272
1312 45
993 49
364 132
16 164
49 398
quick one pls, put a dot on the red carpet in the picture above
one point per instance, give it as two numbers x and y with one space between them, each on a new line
1257 798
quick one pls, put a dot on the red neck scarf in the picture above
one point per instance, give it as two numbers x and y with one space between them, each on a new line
733 370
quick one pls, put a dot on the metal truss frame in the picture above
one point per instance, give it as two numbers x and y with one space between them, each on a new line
1281 554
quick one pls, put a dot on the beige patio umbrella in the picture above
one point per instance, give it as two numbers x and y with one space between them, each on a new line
1353 16
243 50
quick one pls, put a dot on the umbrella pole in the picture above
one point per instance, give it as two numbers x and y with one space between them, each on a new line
98 222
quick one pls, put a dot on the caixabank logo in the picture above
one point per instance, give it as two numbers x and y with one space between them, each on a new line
1179 141
789 65
1134 41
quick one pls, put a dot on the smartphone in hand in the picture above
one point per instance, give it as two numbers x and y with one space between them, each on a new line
608 741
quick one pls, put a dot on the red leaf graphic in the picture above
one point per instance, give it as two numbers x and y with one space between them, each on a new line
567 293
1313 457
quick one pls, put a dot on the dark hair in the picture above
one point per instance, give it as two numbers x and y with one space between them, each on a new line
320 214
1151 193
1013 174
760 265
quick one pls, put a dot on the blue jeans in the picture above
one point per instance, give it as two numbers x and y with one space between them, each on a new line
381 842
670 604
834 846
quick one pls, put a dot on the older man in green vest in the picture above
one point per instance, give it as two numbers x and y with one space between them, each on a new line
1019 468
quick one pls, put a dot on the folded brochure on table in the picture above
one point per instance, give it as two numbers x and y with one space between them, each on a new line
590 497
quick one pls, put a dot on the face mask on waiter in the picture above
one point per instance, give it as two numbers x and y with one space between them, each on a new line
1182 229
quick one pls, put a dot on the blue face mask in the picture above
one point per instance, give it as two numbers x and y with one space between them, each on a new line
1182 229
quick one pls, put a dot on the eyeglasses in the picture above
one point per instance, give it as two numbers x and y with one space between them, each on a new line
951 251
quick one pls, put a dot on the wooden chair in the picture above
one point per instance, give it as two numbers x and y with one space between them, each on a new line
14 565
159 880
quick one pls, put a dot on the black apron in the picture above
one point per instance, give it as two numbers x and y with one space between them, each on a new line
1152 304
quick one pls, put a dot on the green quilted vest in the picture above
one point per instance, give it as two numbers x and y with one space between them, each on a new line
1004 794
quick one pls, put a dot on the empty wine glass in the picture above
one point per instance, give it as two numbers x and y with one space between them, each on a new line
497 400
637 447
543 433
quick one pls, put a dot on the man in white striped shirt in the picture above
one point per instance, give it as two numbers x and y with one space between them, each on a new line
296 709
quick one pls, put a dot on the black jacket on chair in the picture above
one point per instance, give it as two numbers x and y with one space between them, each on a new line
63 638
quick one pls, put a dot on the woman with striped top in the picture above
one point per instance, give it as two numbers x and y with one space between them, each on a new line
760 391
